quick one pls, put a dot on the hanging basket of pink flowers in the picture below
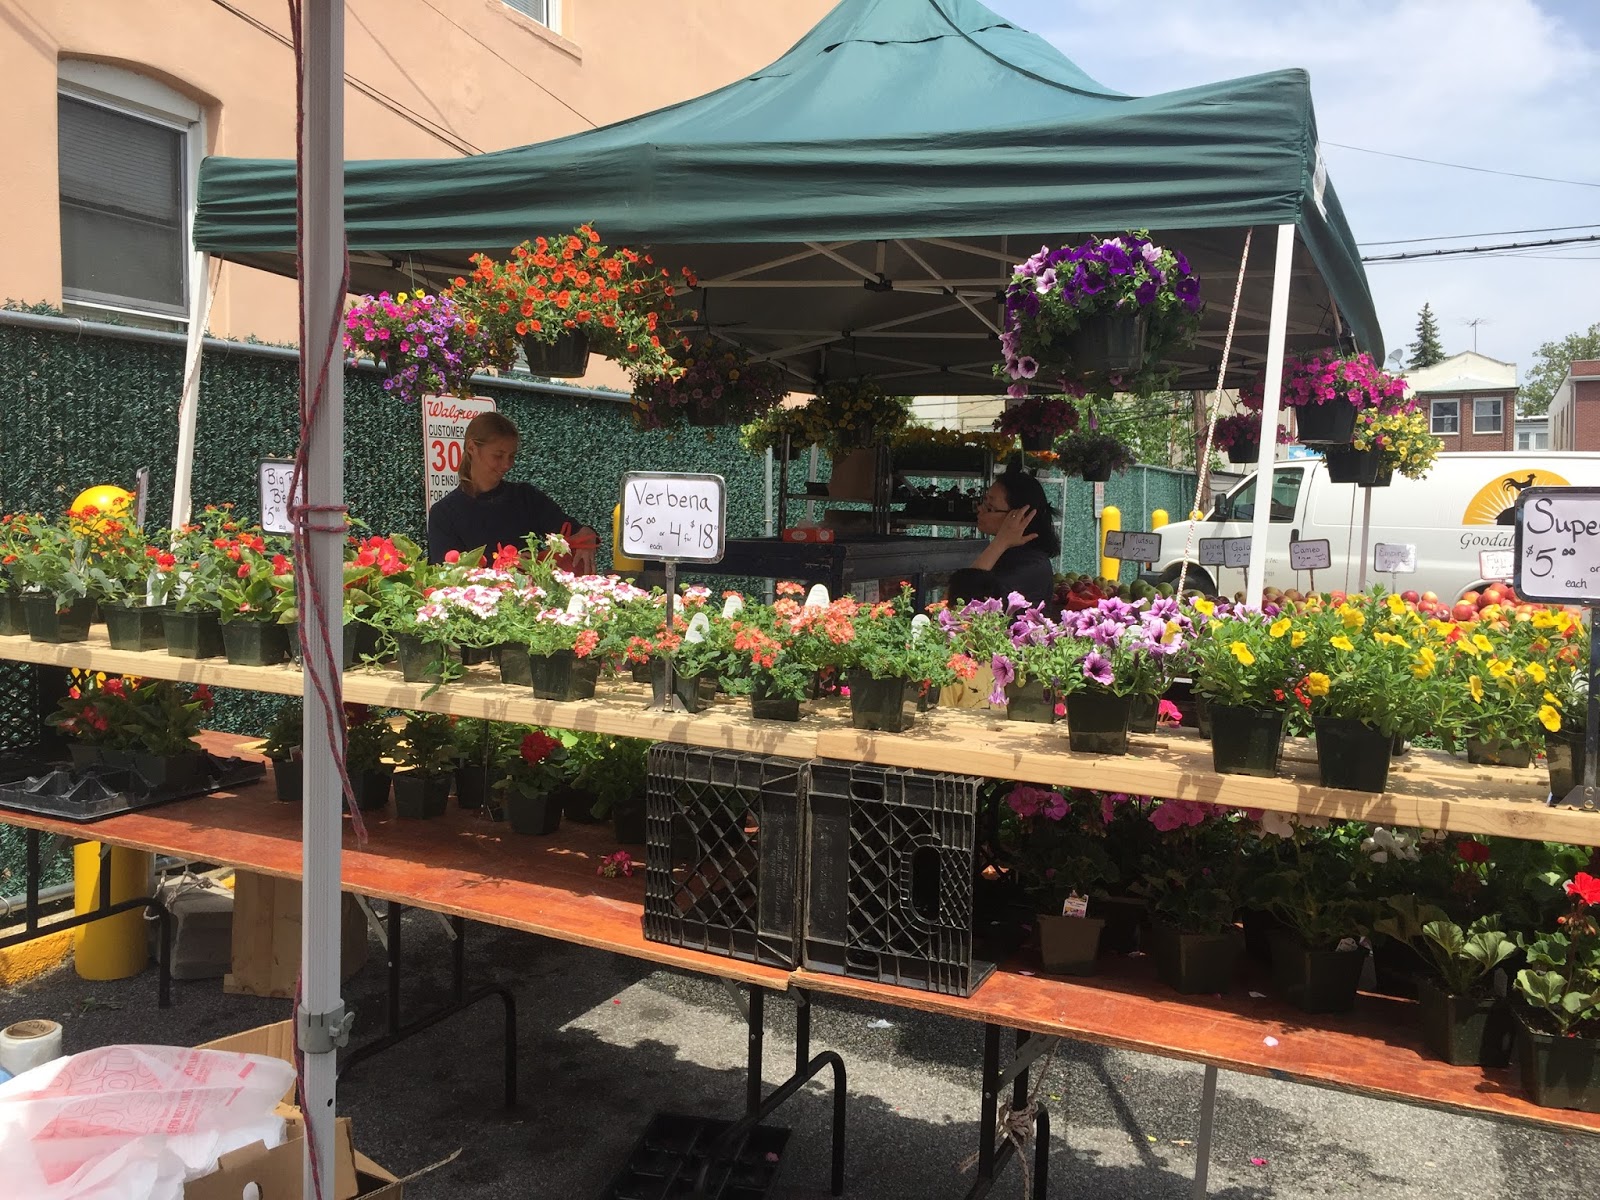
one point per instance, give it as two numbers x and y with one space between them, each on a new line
1239 437
1328 391
422 343
1038 421
712 383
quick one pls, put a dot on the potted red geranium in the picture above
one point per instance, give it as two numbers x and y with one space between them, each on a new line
528 789
1038 421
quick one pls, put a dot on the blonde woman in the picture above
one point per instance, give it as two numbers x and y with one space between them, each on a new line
487 509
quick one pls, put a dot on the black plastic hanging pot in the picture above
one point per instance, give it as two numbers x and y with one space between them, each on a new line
565 358
1364 468
1110 343
1330 424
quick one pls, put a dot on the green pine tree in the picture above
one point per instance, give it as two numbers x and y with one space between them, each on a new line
1426 350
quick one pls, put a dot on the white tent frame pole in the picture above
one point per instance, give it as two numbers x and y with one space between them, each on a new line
1366 532
1277 335
200 294
321 273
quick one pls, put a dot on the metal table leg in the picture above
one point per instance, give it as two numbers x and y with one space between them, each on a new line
1202 1154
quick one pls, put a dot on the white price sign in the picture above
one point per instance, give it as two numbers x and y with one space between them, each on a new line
1394 558
1236 552
276 475
1310 554
444 425
1113 544
1134 547
1211 552
679 517
1497 564
1558 545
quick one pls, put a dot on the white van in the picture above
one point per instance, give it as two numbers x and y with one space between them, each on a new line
1463 507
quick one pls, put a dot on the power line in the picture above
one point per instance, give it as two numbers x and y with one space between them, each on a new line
1476 250
1456 237
1434 162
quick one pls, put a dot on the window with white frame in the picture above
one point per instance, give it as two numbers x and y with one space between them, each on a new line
127 150
1445 417
1488 414
1533 439
546 12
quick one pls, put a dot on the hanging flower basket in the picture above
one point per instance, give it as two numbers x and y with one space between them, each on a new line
565 358
1106 343
1332 424
711 383
1364 468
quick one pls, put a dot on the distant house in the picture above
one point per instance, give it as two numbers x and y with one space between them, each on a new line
1471 401
1533 433
1575 410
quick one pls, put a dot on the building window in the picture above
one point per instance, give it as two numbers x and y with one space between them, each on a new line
1446 417
1487 413
1533 439
546 12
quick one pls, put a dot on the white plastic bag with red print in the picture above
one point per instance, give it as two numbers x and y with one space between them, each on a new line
134 1122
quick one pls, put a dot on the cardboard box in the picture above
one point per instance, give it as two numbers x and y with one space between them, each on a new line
277 1172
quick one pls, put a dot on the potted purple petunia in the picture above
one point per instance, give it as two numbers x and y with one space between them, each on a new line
1124 653
1038 421
424 344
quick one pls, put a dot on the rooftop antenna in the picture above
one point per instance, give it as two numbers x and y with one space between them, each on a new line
1475 322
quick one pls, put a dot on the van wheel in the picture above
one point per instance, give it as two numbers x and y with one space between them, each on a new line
1198 577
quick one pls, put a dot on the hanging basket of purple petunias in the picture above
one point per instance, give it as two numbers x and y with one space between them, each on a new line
1098 318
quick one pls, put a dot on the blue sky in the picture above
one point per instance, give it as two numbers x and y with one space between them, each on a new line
1503 84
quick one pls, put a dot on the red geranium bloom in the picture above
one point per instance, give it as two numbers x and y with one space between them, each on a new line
1472 851
1585 887
536 747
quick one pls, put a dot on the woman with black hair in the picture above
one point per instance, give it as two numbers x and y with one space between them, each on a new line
1023 542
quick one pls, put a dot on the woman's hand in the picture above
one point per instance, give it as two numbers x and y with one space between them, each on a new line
1013 530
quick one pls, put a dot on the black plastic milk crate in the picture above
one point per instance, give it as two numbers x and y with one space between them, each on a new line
723 853
889 894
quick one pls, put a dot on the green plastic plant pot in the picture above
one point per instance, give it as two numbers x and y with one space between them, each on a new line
47 623
194 633
135 627
255 643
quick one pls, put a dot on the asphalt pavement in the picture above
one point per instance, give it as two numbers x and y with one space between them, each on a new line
606 1042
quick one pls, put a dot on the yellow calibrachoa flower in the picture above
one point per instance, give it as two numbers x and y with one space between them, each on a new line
1550 718
1549 698
1280 627
1396 605
1202 605
1353 618
1170 634
1390 639
1536 672
1483 643
1317 683
1297 638
1544 619
1475 687
1242 653
1499 667
1426 659
1343 643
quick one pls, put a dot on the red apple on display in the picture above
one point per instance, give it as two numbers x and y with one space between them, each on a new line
1430 597
1465 610
1410 597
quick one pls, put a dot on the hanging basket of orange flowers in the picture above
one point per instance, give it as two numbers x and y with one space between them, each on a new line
560 297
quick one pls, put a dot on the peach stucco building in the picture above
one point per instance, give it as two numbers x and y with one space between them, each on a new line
112 104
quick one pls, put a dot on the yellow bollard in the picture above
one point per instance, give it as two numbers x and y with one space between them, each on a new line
1158 518
621 563
114 947
1110 522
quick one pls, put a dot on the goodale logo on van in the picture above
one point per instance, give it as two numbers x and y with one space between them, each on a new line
1496 501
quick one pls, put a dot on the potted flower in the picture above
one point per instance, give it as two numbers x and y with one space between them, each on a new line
51 566
1317 894
1239 437
874 661
1191 879
192 578
1247 666
1092 454
1386 440
369 564
424 344
425 766
370 746
249 580
119 567
711 383
559 297
1105 315
1059 848
1037 421
530 780
606 781
163 720
1126 652
1463 1021
1558 1010
700 650
1561 647
1495 698
1328 391
927 450
852 415
773 430
16 533
95 717
283 747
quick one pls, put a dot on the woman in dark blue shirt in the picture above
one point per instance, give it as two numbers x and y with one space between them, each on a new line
487 509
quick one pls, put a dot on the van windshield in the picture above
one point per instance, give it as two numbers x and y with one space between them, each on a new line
1241 506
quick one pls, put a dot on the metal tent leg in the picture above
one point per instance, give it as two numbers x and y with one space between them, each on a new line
1208 1112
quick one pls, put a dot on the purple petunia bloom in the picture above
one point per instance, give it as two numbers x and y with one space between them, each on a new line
1027 366
1004 672
1146 292
1115 257
1097 668
1187 290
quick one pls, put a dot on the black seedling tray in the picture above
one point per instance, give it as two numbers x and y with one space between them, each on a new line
100 792
666 1159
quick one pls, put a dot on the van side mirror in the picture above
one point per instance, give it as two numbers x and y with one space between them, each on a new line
1222 510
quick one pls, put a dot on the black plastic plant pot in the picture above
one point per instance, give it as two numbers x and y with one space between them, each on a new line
1031 701
133 627
1095 472
1315 981
1465 1031
85 756
695 692
419 796
47 623
577 804
514 668
535 815
1564 756
13 617
171 772
359 639
565 358
1364 468
289 779
627 824
1202 717
1244 452
1037 443
1107 343
1498 752
640 672
372 789
1559 1072
1330 424
1142 713
420 661
475 784
562 675
1195 964
255 643
473 656
1068 945
1351 754
1097 723
194 633
881 704
765 707
1245 741
1124 917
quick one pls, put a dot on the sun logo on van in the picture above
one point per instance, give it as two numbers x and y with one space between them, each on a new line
1496 501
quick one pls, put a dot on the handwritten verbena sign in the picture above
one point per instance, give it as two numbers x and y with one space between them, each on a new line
681 517
1558 545
1310 554
1394 558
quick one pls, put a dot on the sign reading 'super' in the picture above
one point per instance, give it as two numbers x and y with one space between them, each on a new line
1558 545
444 426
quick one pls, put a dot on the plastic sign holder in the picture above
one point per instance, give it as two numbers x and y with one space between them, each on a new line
675 517
1311 555
1557 561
